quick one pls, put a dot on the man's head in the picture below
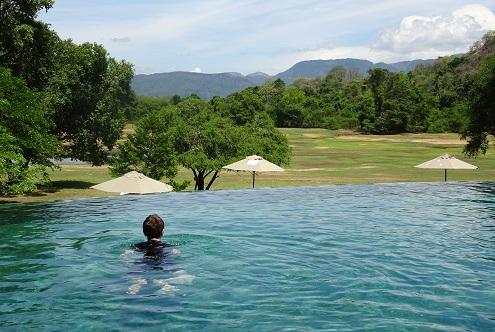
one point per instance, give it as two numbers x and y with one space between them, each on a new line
153 226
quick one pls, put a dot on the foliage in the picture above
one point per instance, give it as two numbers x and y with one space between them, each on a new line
432 98
26 45
242 107
481 107
145 104
205 141
27 144
89 92
260 137
149 150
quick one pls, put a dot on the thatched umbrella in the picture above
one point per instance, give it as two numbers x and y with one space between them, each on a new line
133 183
446 162
254 164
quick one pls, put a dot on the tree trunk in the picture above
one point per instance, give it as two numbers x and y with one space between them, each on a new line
215 175
195 180
200 181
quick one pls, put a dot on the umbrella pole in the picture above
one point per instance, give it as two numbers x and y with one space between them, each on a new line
445 175
254 174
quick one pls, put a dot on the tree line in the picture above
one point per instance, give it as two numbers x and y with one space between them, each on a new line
445 96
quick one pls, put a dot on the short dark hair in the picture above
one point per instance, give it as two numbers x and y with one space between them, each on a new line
153 226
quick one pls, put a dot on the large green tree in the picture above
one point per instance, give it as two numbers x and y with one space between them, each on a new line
25 136
89 92
150 149
205 141
147 104
242 106
481 108
26 44
481 95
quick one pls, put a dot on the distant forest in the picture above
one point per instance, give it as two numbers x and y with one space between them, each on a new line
434 98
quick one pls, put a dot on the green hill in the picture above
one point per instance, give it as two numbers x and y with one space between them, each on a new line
223 84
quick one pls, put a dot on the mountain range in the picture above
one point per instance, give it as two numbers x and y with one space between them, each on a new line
222 84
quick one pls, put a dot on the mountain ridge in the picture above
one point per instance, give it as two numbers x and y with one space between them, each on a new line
208 85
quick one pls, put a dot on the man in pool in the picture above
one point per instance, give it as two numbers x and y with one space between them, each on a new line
153 229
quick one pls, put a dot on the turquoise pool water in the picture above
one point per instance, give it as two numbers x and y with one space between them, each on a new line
398 257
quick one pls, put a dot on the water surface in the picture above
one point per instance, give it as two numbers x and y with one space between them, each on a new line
404 257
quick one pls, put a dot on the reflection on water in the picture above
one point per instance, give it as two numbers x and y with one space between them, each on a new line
373 257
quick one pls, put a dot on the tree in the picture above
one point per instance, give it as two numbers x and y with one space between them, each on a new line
334 80
260 137
89 92
481 108
393 99
271 93
146 104
149 150
25 136
308 86
242 106
205 141
290 111
26 45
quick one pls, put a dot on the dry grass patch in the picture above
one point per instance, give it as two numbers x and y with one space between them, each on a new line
435 139
312 135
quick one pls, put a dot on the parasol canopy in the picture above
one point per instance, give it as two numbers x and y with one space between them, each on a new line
254 164
133 183
446 162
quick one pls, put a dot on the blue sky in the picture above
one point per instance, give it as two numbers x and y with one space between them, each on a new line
270 36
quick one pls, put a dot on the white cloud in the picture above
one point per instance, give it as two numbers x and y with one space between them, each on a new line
453 33
418 37
196 70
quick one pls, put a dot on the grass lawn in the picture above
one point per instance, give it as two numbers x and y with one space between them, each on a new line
319 156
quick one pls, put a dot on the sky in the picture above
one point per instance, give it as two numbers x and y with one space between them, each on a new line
270 36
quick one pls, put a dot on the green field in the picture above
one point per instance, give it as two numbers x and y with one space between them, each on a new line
319 156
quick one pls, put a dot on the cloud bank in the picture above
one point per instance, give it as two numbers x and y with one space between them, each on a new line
420 37
438 34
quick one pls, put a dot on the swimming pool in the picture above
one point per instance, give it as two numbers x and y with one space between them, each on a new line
406 257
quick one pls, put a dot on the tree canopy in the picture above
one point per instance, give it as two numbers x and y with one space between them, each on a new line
89 92
25 136
149 150
482 107
58 98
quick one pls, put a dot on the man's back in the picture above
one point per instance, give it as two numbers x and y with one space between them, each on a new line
152 248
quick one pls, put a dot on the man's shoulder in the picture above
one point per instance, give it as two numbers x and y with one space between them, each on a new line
147 244
141 245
